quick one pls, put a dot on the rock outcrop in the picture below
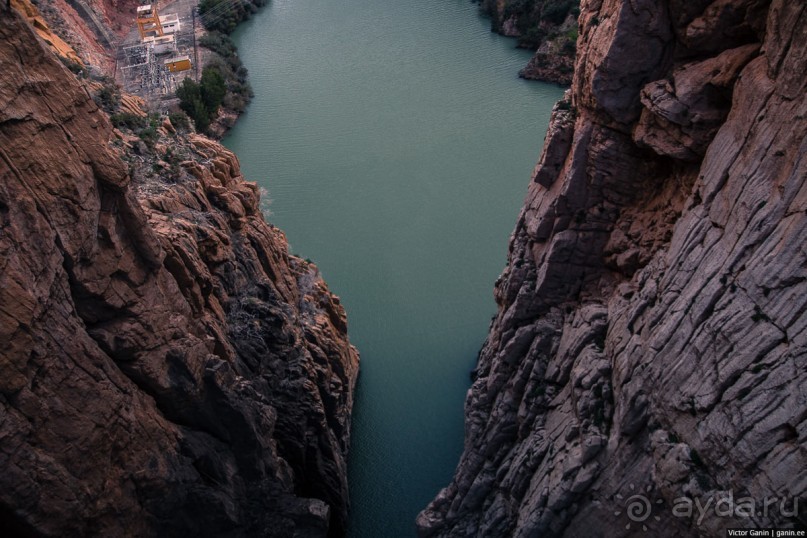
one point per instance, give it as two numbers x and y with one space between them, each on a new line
86 26
650 349
549 27
43 30
550 63
167 367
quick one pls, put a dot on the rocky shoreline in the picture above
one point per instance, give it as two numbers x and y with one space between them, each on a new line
547 67
546 26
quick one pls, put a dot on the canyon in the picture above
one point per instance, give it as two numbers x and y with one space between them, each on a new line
651 341
169 368
405 204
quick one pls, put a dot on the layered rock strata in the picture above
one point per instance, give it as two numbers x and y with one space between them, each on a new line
651 339
167 367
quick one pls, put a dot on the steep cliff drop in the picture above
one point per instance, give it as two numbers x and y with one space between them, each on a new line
167 368
651 340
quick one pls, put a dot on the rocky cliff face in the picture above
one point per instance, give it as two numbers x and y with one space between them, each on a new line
650 349
547 26
92 28
167 368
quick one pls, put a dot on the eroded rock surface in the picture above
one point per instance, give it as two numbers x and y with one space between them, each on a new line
167 368
652 329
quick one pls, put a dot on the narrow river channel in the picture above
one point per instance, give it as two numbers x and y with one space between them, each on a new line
395 141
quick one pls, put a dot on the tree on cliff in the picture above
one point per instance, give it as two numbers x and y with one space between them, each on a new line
201 101
212 89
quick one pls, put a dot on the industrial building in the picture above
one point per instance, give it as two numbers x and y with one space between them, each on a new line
161 45
148 21
177 64
152 66
170 23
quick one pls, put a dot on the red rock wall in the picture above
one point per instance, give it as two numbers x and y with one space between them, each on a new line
167 368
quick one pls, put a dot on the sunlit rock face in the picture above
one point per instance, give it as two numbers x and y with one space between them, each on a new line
167 368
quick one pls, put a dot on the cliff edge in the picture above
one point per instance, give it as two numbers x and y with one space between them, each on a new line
650 348
167 367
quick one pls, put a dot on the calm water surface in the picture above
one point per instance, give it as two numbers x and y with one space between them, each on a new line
396 143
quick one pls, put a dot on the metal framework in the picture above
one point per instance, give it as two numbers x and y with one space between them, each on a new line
148 21
144 72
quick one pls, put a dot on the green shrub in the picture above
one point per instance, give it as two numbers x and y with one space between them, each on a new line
219 43
533 37
75 67
191 103
179 120
149 134
128 121
201 101
187 91
200 115
224 15
108 96
212 88
145 128
238 91
221 15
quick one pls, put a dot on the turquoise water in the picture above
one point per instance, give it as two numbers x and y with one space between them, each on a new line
396 142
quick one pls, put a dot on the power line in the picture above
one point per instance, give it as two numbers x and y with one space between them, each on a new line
219 11
221 6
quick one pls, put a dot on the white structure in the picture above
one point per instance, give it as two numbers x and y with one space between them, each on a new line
161 45
170 23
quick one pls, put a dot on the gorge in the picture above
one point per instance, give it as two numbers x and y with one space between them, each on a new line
171 367
396 162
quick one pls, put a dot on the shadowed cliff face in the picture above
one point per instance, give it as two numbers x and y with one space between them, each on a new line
167 368
652 329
